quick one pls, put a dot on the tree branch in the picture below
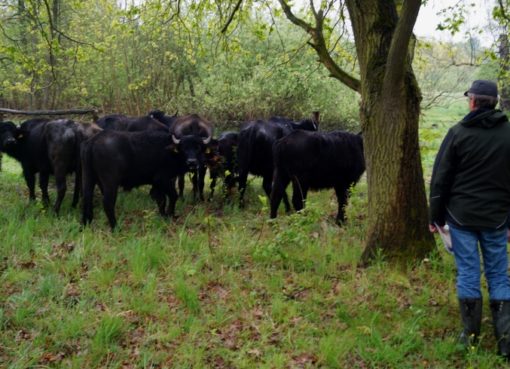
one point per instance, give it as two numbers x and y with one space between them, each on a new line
503 11
399 47
297 21
231 17
319 44
312 5
74 40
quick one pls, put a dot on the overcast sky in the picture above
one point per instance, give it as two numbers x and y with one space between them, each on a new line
477 17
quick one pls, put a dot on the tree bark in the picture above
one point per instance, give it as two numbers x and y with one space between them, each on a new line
504 69
390 109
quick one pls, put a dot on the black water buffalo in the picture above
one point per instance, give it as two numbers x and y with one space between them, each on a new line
46 147
222 161
315 160
185 130
115 159
26 126
26 144
160 116
255 150
119 122
63 139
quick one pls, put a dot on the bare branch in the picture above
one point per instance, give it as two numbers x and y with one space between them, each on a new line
48 40
270 11
74 40
319 44
231 17
297 21
312 5
433 101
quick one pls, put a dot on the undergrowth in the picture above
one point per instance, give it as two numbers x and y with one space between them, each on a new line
219 287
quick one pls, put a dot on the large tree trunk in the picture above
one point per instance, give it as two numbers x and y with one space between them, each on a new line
390 110
504 69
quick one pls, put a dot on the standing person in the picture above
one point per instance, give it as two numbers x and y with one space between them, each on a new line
470 191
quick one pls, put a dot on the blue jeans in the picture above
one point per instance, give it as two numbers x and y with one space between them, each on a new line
467 258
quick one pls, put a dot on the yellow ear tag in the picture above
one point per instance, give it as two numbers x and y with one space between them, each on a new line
20 136
207 151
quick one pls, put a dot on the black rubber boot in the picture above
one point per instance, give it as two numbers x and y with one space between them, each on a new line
501 318
471 313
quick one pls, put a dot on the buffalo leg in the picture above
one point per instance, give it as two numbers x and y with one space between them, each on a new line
181 185
243 178
342 192
194 184
88 184
286 202
88 204
266 185
280 183
172 198
201 182
299 192
77 188
212 187
160 199
228 185
109 199
30 180
60 181
43 184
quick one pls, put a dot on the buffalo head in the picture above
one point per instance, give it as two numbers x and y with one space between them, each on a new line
192 125
10 135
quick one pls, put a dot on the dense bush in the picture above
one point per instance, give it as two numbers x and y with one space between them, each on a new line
134 59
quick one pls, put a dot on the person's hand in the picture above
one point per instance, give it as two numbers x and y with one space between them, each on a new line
433 228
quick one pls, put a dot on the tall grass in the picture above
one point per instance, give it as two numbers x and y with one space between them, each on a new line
220 287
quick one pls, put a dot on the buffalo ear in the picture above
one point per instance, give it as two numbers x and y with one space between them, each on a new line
213 145
172 147
21 134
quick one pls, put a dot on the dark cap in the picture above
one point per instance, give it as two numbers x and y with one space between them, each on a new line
483 87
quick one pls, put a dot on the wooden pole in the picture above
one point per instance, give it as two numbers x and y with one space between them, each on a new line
48 112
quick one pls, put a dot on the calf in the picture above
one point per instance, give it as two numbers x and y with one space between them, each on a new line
222 161
130 159
255 150
314 160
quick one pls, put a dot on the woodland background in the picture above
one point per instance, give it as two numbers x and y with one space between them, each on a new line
173 56
219 287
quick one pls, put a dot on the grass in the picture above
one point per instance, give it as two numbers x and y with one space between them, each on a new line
221 287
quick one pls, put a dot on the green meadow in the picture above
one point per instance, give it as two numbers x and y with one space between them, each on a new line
222 287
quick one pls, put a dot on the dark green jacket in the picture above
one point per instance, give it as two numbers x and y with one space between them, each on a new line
471 177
